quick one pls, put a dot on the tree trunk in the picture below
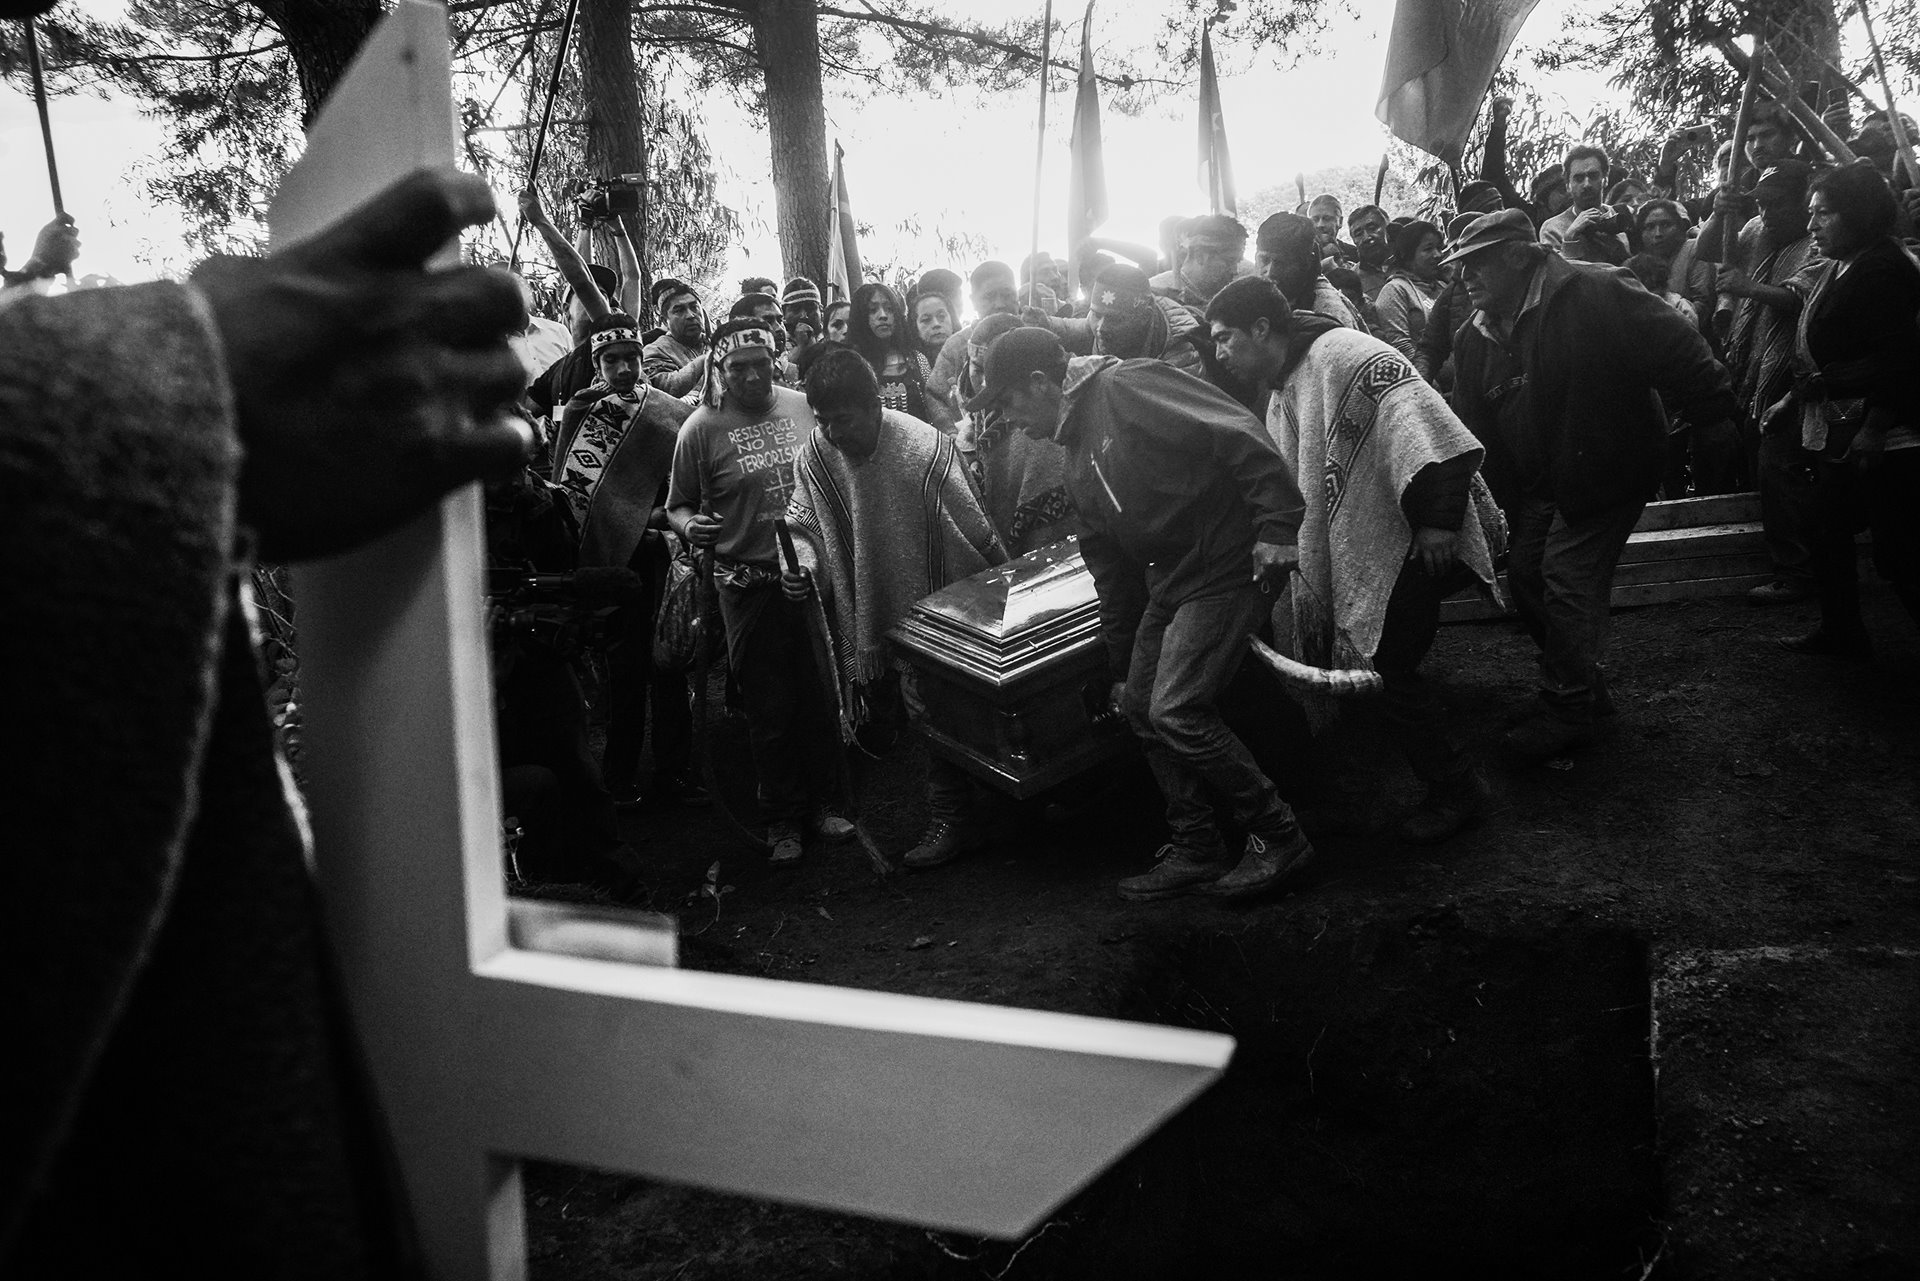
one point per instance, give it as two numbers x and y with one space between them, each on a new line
786 34
616 126
322 37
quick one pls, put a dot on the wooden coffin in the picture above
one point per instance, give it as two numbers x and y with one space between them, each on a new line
1014 674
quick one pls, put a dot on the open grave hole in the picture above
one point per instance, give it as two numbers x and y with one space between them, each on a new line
1410 1097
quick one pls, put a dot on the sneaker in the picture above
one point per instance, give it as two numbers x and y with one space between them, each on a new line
1544 736
1778 592
1449 809
1266 865
943 843
681 789
1175 872
1825 644
784 838
828 825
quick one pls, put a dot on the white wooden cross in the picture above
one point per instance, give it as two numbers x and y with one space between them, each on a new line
486 1048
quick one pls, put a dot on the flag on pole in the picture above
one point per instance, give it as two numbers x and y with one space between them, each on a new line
1087 173
843 245
1216 166
1440 60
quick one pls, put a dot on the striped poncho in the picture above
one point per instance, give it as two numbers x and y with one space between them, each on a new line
881 533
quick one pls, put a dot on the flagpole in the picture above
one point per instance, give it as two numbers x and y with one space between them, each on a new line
1039 159
546 118
46 126
1893 108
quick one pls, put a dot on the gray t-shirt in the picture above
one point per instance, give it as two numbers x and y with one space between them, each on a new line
739 466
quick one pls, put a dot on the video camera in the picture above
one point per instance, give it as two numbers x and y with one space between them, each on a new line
603 199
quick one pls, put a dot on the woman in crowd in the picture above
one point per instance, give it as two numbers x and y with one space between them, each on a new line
837 317
933 322
1859 402
1416 280
1660 229
877 329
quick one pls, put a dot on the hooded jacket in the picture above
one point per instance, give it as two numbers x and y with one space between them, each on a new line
1175 482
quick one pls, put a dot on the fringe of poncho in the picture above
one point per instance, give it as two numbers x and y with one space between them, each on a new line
881 534
1355 538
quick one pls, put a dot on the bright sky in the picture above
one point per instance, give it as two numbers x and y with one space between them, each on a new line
955 162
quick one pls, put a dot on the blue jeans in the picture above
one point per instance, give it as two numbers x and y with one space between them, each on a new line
1183 657
1561 572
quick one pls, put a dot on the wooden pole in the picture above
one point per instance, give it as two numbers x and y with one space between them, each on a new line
546 118
1894 122
46 126
1713 237
1039 160
1380 177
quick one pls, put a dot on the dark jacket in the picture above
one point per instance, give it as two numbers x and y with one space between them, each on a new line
1175 482
183 1097
1570 410
1861 331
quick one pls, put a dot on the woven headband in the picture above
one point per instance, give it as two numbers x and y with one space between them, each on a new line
727 344
608 337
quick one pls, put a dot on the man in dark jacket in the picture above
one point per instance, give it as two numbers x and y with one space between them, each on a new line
1189 513
1561 374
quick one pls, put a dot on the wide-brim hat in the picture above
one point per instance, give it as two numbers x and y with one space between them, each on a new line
1489 231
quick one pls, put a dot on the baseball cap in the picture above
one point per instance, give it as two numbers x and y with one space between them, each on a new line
1783 175
1508 226
1015 357
1121 288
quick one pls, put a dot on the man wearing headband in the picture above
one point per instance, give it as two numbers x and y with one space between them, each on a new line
800 309
1188 511
1130 321
732 478
676 361
614 446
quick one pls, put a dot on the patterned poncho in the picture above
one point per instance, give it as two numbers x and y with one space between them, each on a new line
881 533
612 467
1356 424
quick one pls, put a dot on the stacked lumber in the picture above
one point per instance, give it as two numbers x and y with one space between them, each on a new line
1682 549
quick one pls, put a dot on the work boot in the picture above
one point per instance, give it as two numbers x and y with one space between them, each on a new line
1544 736
1267 864
1778 592
828 825
1451 806
785 846
1175 872
944 842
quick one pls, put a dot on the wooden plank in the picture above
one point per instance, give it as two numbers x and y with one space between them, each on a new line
1705 540
1687 568
1716 509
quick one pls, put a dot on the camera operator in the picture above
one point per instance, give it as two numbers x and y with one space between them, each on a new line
1588 230
54 250
541 615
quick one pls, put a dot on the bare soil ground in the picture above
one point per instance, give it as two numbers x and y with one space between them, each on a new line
1657 1015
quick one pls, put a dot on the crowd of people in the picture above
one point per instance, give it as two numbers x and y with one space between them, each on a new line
1315 442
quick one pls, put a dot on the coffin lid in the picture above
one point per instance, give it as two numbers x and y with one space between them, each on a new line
1011 621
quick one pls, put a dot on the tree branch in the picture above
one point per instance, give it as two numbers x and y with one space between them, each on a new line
984 41
269 47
